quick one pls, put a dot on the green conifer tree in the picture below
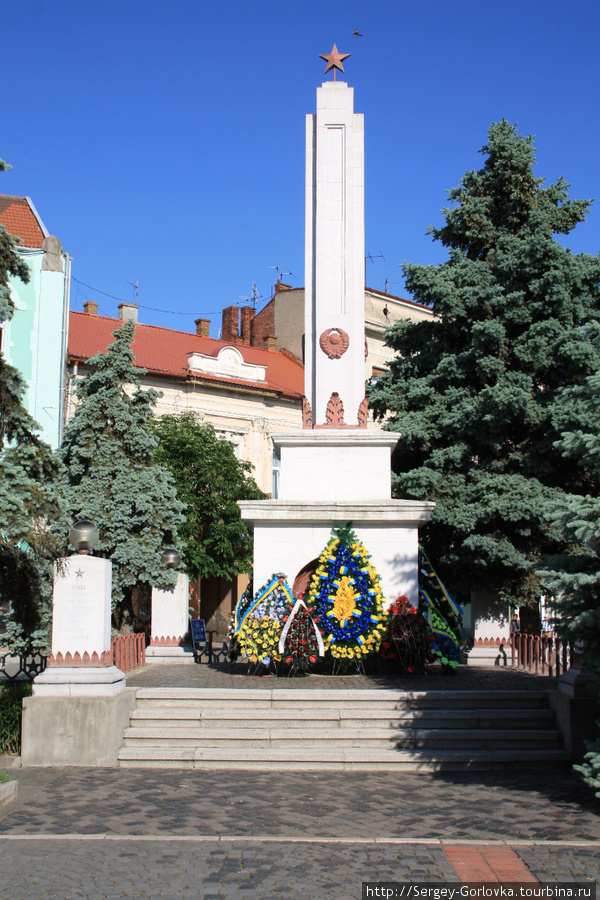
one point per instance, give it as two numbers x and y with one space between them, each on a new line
111 477
517 317
210 480
573 578
29 501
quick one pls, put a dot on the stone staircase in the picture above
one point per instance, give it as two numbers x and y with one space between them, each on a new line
368 730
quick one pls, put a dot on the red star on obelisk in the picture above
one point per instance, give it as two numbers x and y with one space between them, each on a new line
334 60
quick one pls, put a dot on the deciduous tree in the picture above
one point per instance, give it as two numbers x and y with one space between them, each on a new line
210 480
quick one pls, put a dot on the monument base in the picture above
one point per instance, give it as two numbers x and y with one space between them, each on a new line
492 652
289 535
576 707
79 681
73 730
157 655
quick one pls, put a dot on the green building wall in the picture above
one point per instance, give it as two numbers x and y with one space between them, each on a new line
35 340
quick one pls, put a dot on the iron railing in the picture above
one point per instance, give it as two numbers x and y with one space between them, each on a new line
207 651
20 668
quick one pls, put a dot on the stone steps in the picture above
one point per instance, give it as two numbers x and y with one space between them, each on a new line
281 698
377 730
186 717
339 760
407 738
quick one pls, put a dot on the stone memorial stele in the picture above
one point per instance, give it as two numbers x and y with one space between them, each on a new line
81 661
170 618
79 704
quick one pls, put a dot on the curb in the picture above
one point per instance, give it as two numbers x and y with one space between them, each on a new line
8 792
10 762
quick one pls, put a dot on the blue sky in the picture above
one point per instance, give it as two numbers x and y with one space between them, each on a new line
164 142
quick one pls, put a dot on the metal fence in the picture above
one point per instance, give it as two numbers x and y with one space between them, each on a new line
20 668
129 651
545 655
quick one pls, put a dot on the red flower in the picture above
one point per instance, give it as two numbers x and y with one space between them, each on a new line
289 659
312 659
411 668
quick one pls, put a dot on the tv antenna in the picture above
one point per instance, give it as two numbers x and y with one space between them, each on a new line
254 298
281 272
136 288
371 258
387 281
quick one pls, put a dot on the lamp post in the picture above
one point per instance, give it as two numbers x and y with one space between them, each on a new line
83 536
171 558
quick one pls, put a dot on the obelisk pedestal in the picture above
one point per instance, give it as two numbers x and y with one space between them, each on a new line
79 707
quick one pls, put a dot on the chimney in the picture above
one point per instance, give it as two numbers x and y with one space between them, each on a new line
128 312
280 286
202 327
248 314
90 308
269 341
229 329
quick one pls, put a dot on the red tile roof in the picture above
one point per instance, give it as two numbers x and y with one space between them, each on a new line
18 216
164 351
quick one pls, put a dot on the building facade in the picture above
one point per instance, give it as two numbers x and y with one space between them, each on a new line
248 384
35 340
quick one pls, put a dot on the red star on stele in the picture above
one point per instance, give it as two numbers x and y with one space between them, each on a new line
334 60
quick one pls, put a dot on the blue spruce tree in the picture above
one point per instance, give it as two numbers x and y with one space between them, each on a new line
472 391
111 477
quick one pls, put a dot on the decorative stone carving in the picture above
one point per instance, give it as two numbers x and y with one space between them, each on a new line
334 342
77 659
306 414
335 411
166 641
363 412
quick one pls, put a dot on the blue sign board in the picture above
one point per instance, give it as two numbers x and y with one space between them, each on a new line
198 631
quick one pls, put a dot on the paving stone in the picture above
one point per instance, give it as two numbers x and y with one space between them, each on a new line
465 678
232 834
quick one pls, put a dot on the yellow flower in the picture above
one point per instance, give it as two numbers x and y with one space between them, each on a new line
344 604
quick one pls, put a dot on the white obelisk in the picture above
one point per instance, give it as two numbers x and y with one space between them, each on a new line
335 470
334 260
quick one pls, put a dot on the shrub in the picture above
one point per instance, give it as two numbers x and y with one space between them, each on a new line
11 698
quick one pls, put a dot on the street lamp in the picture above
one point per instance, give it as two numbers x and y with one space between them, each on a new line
171 558
83 535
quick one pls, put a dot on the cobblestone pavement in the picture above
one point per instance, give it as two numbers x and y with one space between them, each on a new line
463 678
104 833
109 833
